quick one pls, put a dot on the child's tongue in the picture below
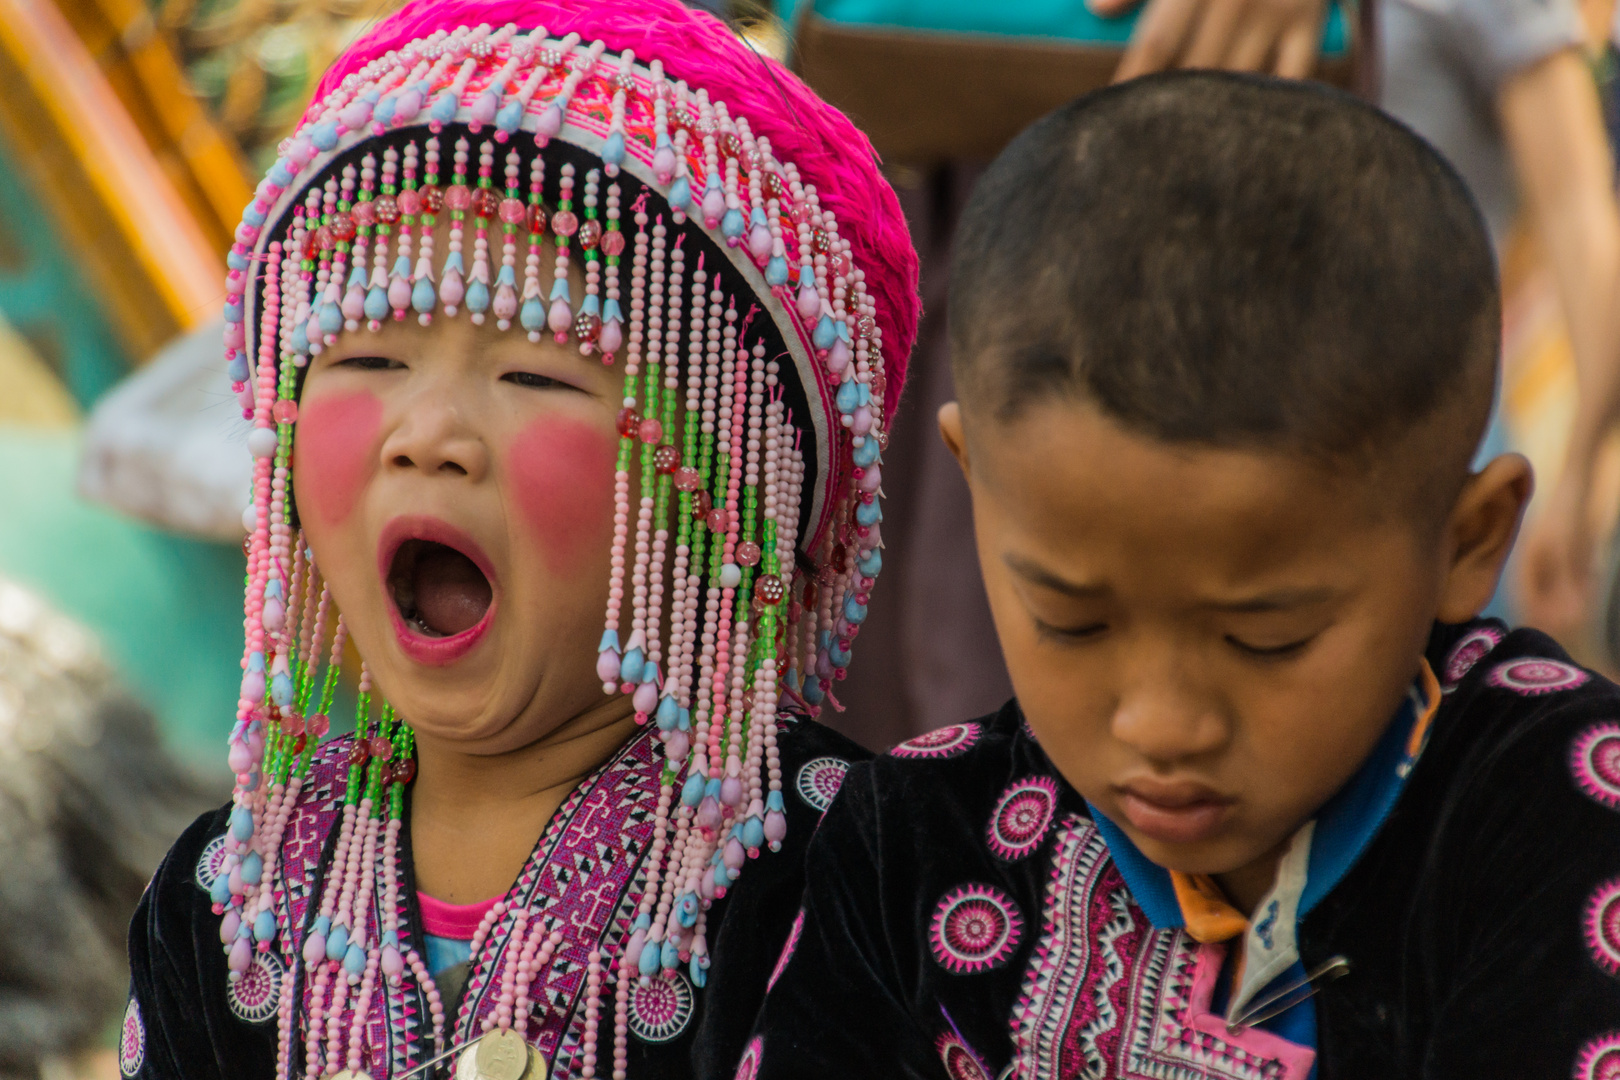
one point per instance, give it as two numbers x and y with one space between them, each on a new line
451 593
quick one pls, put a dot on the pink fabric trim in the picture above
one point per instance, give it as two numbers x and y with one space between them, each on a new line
458 922
1295 1059
830 152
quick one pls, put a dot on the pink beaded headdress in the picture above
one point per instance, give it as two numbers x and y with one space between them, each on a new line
750 270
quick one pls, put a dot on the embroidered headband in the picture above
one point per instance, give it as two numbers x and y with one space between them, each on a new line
696 204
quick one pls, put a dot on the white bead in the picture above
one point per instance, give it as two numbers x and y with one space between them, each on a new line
262 442
250 518
730 576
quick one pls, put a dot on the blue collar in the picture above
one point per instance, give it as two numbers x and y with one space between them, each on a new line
1345 825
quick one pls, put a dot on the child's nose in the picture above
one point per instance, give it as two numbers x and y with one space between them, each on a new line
436 440
1167 723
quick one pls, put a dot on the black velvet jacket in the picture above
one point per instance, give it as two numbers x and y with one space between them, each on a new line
964 918
186 1020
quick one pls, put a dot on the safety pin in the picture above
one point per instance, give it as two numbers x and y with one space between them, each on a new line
1273 1004
426 1065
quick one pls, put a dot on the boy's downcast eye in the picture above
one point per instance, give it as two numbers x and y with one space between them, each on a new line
1069 635
1270 652
535 381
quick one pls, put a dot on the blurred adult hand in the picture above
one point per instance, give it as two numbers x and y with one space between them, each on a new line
1556 563
1278 36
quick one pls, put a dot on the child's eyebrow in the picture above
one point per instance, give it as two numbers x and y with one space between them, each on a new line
1276 600
1039 575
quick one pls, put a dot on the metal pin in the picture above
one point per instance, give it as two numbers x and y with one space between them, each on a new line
1285 998
426 1065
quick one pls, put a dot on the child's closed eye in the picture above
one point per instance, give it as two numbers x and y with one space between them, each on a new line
1270 652
371 363
1069 635
536 381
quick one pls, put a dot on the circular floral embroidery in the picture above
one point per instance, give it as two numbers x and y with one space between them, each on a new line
256 994
975 928
1603 926
661 1009
820 779
941 742
132 1042
1595 761
1022 815
960 1064
748 1067
1532 676
210 862
1466 653
1600 1060
787 950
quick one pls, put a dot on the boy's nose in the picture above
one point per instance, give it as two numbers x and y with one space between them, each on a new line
1167 724
435 440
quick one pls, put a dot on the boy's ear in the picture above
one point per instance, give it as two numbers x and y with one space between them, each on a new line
1480 533
950 429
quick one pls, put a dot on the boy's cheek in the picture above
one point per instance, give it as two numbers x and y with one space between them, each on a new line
561 477
336 451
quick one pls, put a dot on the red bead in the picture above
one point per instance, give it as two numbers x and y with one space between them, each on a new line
513 211
410 202
810 595
299 744
687 479
841 266
537 218
718 519
730 145
748 553
702 503
292 724
628 422
587 327
432 198
485 202
285 411
771 589
774 188
359 753
800 213
324 240
318 725
387 209
879 384
247 545
820 240
381 747
404 771
590 234
342 226
665 458
564 223
613 242
839 554
650 430
364 213
457 197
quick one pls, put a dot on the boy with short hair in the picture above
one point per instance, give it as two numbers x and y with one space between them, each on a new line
1269 802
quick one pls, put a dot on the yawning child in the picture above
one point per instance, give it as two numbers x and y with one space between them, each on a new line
569 331
1269 803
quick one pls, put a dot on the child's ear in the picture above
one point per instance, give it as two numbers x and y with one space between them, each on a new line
950 429
1480 533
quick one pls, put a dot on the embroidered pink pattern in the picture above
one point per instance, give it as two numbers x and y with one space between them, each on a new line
975 928
787 950
132 1041
1466 653
1600 1060
1022 815
960 1062
661 1007
941 742
1595 761
254 997
820 779
210 862
1603 926
1107 995
748 1067
1532 676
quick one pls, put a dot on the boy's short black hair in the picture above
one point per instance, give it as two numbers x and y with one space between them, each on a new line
1230 260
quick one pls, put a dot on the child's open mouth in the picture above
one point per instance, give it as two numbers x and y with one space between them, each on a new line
439 591
439 582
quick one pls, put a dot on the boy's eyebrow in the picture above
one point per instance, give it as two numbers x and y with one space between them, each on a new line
1276 600
1039 575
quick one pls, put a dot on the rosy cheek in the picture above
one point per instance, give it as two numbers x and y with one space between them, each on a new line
562 482
336 453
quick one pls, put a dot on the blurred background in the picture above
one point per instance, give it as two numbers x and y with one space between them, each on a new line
132 133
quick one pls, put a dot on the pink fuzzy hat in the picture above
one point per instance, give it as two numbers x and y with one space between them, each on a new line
830 152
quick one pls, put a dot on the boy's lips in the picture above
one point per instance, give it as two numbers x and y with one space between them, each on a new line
454 562
1173 812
